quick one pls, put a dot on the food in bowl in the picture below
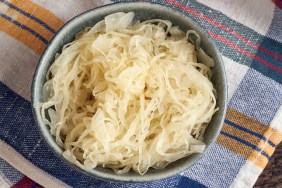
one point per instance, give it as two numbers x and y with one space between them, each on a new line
127 94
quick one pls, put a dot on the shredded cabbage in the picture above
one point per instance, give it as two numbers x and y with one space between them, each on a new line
129 95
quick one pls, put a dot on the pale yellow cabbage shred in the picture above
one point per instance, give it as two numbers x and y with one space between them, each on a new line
128 95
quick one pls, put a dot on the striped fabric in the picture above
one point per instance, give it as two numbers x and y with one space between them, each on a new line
248 33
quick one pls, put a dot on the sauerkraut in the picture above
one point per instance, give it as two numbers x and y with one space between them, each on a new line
129 95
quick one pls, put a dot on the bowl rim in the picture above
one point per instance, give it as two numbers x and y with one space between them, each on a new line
48 138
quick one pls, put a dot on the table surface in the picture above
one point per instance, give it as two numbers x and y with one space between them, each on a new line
272 174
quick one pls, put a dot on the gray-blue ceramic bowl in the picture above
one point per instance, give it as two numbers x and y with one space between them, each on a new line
143 11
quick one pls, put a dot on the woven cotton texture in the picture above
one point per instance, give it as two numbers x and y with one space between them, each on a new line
248 33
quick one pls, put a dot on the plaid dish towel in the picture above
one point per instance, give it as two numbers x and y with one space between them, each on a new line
248 33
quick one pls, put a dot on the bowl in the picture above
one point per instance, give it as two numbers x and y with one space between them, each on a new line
143 11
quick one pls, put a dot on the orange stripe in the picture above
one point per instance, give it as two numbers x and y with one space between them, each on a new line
265 146
245 151
260 160
276 136
270 133
24 36
268 149
250 138
41 13
237 147
245 121
234 146
30 23
241 134
252 124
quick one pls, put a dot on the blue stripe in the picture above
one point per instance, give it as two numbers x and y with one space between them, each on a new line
25 28
245 142
249 131
29 16
276 47
187 182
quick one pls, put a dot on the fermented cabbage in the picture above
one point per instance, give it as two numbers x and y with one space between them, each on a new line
129 95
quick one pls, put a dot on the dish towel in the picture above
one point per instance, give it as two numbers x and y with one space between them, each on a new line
248 33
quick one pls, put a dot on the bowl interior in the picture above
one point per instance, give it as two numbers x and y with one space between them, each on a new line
143 11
